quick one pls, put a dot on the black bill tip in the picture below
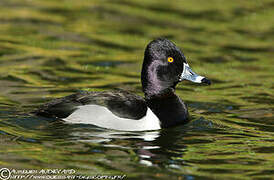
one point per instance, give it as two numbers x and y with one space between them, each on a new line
206 81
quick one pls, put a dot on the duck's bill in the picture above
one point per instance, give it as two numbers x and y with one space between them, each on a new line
189 75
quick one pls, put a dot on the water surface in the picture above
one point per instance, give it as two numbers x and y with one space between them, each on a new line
53 48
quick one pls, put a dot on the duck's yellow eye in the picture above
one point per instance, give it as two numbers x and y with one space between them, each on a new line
170 59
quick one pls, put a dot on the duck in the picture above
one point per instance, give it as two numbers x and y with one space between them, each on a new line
164 66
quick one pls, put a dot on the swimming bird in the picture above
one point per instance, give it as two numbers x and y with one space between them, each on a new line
164 66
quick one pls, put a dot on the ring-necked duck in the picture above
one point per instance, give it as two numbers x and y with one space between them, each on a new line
163 67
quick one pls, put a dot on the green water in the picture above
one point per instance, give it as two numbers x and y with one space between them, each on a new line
53 48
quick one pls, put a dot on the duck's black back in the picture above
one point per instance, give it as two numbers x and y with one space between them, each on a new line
121 103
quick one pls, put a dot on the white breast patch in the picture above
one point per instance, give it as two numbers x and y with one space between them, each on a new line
103 117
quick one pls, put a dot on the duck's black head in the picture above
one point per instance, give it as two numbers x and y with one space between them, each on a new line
163 67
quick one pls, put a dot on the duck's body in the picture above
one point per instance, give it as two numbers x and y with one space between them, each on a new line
118 110
164 66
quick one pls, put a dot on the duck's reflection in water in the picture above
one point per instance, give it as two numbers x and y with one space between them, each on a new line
153 148
160 148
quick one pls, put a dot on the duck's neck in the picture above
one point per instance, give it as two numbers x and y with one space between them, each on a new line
158 93
169 108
